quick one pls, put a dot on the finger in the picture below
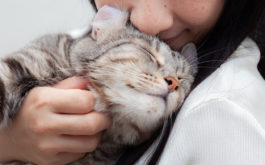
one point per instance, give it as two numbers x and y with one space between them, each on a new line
77 144
66 158
73 101
72 83
87 124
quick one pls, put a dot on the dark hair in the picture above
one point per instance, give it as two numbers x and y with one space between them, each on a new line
239 19
93 4
259 36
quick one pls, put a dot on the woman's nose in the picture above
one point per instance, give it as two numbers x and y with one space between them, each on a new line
151 17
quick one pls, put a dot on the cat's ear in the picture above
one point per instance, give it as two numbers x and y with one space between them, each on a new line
108 20
189 51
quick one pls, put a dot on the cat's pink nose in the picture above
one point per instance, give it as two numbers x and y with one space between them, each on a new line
173 84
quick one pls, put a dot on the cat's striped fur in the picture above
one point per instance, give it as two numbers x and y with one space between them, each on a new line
127 71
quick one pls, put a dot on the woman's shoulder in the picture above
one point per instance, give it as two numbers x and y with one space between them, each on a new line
237 81
216 132
223 120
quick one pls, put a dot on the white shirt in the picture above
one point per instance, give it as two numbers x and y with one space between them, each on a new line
222 121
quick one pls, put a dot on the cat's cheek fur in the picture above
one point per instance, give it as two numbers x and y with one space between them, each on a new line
173 99
100 105
135 122
142 110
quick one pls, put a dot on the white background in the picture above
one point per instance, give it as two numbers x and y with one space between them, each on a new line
24 20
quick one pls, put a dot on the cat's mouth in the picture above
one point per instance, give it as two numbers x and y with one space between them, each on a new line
163 98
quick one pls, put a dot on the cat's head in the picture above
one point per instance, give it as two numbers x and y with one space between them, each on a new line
136 78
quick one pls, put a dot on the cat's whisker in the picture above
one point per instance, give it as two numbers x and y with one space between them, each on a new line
209 61
207 67
197 61
207 52
202 43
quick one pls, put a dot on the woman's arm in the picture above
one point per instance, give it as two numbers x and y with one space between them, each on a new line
56 125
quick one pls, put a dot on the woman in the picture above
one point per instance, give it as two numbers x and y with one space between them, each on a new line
199 136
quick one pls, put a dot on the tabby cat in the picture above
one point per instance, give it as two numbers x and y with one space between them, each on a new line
136 79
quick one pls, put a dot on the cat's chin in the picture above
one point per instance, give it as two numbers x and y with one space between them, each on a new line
169 101
156 99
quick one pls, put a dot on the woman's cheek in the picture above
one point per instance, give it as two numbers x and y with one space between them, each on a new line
199 12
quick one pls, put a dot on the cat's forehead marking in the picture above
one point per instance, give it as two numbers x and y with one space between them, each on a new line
150 54
154 49
161 60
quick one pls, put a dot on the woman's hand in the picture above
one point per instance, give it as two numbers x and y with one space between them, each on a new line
56 125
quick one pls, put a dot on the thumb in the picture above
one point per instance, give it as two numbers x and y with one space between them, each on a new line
72 83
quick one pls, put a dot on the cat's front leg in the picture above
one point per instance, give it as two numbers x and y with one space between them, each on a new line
18 75
15 82
43 62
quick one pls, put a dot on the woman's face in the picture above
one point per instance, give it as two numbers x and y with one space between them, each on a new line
176 22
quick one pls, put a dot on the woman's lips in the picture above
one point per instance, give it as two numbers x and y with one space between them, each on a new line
171 40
